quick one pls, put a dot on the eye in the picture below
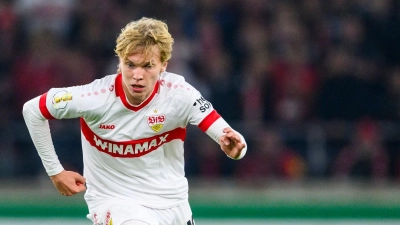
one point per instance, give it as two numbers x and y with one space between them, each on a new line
148 65
129 64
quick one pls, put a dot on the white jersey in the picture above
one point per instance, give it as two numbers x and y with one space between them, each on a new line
133 153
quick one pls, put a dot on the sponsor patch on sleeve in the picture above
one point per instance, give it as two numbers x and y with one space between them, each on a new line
60 99
202 104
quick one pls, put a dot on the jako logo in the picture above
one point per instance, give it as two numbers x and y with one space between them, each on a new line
106 127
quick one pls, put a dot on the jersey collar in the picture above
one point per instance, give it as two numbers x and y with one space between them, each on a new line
119 92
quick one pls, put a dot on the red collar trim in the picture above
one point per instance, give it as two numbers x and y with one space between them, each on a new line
119 92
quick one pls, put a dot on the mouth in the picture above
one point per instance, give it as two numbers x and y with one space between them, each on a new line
137 87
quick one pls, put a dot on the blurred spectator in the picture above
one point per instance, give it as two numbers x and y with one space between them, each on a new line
365 157
381 19
54 15
35 71
186 52
393 84
270 159
352 88
225 94
209 158
77 67
342 94
8 36
257 89
93 30
376 96
294 77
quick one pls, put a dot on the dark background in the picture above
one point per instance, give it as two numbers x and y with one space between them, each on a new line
313 85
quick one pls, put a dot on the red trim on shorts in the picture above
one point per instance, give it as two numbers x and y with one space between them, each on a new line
43 108
208 120
119 91
131 148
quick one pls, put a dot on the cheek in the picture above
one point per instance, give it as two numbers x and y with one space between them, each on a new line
154 79
125 80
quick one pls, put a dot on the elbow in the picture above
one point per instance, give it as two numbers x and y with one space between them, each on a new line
28 109
25 109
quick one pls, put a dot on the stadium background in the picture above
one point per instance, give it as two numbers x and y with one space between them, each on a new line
313 85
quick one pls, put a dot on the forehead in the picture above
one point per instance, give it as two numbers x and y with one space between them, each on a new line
142 55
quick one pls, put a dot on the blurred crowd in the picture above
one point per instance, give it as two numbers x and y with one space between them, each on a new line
314 85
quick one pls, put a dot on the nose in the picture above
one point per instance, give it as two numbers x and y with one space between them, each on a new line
137 73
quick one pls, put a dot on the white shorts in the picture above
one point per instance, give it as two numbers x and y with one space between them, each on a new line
117 212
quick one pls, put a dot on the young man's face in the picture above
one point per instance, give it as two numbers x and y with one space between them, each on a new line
139 75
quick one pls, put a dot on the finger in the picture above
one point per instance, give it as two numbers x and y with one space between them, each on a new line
226 130
81 187
225 140
66 193
233 136
241 146
79 179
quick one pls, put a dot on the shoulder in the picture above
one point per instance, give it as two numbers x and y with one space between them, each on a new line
105 85
171 78
175 88
94 92
107 81
174 83
99 90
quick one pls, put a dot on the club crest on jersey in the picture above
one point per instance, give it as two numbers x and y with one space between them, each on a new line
156 122
60 99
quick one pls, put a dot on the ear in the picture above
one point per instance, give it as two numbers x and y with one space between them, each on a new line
119 66
164 66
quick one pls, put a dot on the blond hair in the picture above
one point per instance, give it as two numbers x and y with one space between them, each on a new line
144 35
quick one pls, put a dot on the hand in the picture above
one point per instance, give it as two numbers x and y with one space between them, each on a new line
231 143
69 182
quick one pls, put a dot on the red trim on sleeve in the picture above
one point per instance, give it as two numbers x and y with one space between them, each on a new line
208 120
43 108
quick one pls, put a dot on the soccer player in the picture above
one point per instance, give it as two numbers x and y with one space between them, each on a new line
133 127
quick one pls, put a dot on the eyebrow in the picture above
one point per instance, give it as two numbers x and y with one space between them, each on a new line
144 63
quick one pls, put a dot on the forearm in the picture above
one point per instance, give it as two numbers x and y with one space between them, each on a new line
39 131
